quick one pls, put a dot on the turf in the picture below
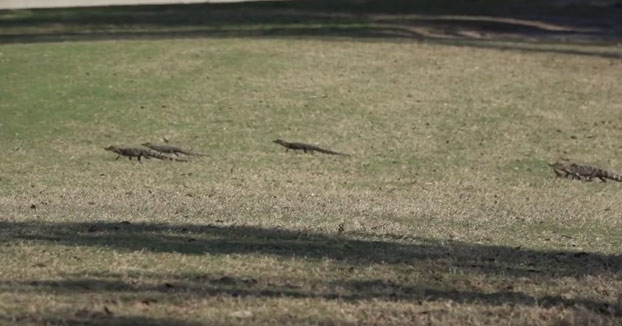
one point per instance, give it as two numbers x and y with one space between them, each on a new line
446 213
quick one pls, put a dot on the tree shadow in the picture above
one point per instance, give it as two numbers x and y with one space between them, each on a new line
159 288
90 318
528 25
350 248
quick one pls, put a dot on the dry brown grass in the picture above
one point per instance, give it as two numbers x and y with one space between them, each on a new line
450 214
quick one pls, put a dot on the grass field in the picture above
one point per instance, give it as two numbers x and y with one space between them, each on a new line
446 214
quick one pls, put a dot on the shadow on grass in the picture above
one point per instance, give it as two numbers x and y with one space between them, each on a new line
90 318
509 24
348 248
157 288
